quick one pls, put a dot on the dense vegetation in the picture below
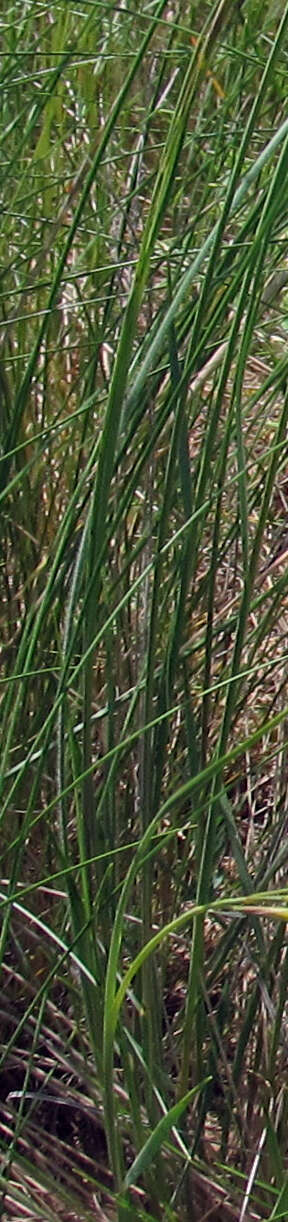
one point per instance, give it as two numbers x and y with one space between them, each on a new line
144 620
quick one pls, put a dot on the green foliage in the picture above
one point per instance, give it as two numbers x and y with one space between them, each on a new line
143 491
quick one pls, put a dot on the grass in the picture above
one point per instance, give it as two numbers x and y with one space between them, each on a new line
143 491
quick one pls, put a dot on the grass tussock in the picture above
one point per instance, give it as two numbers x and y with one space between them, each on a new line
144 621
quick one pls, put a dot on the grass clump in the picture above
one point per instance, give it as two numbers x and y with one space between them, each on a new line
143 376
